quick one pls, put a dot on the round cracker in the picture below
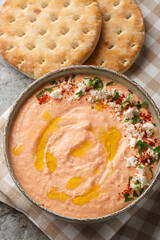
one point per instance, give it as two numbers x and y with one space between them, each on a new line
122 35
38 36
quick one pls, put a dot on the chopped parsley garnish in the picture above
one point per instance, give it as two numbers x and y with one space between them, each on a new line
156 150
66 78
154 124
79 94
96 83
140 167
54 82
49 89
141 191
97 100
150 169
141 146
60 81
40 94
73 77
127 198
144 146
92 107
110 83
141 105
130 178
136 119
127 119
115 95
137 182
135 194
128 100
152 161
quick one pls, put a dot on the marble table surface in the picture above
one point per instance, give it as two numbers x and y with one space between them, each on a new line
13 224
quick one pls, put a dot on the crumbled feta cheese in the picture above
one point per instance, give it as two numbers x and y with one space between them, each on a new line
131 112
70 99
56 94
131 162
140 169
142 179
90 99
93 93
132 142
66 87
81 87
118 118
113 90
151 153
130 128
118 108
120 93
140 176
86 81
148 127
134 186
112 104
108 93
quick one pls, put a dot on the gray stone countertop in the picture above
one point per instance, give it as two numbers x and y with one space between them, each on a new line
13 224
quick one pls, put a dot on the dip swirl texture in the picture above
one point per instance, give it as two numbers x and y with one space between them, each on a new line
84 146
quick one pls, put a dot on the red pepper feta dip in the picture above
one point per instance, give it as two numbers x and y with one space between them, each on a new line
88 135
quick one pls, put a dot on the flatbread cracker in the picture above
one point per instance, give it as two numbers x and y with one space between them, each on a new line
38 36
122 35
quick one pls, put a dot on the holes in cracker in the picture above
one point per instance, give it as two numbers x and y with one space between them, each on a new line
32 19
133 44
12 19
63 60
75 45
52 45
30 46
21 60
107 17
21 33
86 30
116 3
44 4
53 17
101 62
142 30
1 33
89 3
41 61
23 6
42 32
128 16
124 61
10 47
119 31
64 30
76 17
99 17
66 3
110 46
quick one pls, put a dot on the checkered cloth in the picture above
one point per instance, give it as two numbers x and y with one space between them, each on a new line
145 224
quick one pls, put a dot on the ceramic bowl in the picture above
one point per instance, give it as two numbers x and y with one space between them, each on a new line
130 84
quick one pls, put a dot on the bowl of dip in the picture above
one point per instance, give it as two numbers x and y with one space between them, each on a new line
83 143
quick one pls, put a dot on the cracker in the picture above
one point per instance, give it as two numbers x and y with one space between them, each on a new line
122 35
38 36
